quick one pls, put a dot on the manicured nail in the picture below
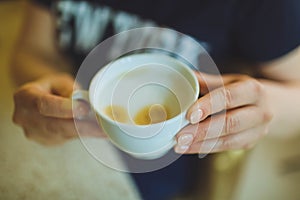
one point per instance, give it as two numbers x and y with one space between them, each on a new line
196 116
185 139
184 142
181 149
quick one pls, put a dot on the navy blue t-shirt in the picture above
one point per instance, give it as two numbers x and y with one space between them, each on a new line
250 31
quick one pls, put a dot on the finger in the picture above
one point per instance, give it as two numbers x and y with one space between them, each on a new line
242 140
57 131
61 107
31 98
61 84
232 96
209 82
234 121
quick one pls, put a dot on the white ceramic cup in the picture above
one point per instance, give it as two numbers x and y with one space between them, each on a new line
134 82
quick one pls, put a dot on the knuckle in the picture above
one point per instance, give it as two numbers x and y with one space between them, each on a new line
267 116
228 97
232 124
255 86
22 90
205 131
202 132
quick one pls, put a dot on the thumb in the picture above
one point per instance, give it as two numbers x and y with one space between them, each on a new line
60 84
54 99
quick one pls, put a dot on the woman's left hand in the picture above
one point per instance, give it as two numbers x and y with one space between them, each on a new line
231 114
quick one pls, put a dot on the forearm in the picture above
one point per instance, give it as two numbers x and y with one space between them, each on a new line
29 65
284 101
36 53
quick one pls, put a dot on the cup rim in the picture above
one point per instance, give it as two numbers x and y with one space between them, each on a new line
190 71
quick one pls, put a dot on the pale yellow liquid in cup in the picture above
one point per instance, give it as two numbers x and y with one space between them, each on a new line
150 114
117 113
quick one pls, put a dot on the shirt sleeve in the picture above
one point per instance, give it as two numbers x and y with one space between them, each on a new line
266 29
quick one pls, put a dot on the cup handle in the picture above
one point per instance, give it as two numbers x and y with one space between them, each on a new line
83 95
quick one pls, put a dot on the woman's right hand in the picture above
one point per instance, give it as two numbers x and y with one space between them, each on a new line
43 109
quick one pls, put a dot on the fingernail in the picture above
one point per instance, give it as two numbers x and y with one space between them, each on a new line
184 142
185 139
196 116
181 149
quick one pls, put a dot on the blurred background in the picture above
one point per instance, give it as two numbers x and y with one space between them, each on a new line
31 171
